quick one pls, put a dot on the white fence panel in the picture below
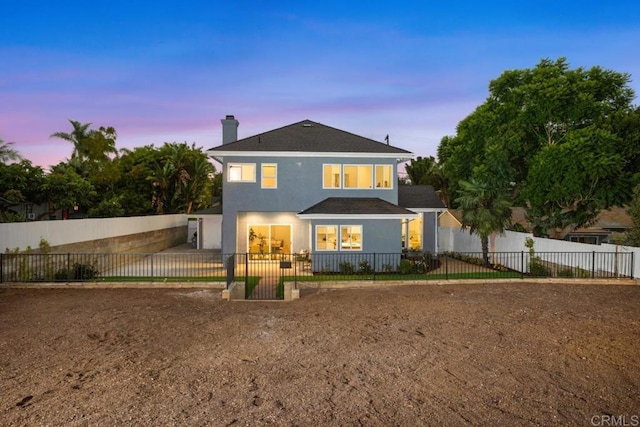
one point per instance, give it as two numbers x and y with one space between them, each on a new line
550 250
23 234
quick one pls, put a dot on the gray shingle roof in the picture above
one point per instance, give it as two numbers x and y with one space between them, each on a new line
355 206
418 196
309 136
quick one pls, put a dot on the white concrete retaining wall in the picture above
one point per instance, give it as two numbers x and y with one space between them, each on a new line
23 234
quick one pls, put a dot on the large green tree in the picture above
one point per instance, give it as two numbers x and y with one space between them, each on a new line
66 189
569 183
528 111
19 183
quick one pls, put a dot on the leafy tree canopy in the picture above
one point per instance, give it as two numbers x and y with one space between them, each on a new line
528 115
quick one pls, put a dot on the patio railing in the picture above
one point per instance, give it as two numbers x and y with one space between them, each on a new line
328 266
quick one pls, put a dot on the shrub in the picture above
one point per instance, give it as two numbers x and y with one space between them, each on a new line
346 267
78 272
364 267
388 268
565 272
581 272
405 267
537 269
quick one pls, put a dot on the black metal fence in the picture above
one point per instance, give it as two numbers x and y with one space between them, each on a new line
416 265
266 274
150 267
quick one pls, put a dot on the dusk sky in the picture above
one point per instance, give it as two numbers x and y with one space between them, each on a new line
166 71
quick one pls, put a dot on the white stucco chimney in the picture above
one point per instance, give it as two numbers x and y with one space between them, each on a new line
229 129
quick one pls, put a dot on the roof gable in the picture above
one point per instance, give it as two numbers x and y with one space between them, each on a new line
308 136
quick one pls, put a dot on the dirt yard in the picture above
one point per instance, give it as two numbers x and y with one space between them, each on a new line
504 354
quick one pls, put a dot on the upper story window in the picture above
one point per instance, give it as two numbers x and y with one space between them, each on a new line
358 176
242 172
269 175
384 174
331 176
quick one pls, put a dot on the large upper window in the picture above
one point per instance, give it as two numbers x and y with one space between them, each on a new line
327 238
383 176
242 172
331 176
269 175
358 176
351 237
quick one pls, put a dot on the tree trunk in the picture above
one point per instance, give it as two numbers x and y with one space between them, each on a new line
484 240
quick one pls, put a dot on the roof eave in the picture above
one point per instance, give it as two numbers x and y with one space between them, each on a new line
355 216
220 154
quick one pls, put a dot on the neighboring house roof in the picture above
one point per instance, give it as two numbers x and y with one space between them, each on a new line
615 219
212 210
308 137
419 197
362 207
450 218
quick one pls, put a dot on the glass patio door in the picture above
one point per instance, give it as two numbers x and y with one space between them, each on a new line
268 241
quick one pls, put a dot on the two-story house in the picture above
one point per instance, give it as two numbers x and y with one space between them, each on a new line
311 187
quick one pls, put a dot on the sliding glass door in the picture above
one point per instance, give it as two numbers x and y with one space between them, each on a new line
267 241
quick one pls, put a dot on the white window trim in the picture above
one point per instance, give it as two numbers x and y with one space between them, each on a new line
337 238
262 165
361 238
373 172
229 165
323 176
390 177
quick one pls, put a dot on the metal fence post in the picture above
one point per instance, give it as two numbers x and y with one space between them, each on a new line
374 266
522 264
446 267
1 267
246 269
593 264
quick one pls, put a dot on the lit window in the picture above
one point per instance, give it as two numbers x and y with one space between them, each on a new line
331 176
383 176
242 172
414 229
351 237
269 175
326 238
358 176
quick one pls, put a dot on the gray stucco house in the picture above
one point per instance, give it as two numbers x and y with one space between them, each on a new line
311 187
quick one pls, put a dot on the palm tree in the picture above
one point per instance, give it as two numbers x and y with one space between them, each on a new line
161 181
77 136
7 153
486 209
198 190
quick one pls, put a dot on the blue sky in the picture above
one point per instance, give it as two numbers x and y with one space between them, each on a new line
169 71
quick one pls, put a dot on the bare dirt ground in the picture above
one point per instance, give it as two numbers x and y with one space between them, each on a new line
502 354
